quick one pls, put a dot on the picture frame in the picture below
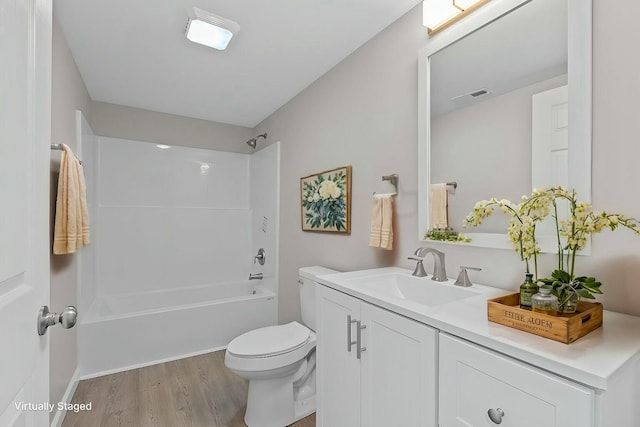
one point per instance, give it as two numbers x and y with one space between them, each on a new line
325 201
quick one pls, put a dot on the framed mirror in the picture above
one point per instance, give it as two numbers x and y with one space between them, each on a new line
504 104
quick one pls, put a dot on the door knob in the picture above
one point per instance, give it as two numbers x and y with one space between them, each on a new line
67 318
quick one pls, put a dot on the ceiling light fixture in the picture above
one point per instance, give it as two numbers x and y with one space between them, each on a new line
209 29
439 14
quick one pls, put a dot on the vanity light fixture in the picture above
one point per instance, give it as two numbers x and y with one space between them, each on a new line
439 14
210 30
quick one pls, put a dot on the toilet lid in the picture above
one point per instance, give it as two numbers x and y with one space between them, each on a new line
270 341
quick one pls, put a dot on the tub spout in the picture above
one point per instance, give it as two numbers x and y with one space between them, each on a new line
257 276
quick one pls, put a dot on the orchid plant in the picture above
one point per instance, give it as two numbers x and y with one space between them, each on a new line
572 234
522 224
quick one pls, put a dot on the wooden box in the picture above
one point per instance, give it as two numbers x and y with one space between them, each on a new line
565 328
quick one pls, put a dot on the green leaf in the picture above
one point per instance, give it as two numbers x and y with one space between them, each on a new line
593 287
585 293
561 276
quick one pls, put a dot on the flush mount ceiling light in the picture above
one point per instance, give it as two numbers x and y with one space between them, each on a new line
439 14
209 29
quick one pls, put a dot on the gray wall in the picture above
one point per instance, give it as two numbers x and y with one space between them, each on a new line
118 121
469 145
364 113
68 95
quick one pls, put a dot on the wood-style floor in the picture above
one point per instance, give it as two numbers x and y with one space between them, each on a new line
195 392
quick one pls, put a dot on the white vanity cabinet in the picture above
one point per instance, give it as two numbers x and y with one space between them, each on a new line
375 368
479 387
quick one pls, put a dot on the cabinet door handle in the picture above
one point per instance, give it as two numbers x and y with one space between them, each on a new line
349 323
359 347
495 415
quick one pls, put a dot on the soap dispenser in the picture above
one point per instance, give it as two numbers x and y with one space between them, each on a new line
527 290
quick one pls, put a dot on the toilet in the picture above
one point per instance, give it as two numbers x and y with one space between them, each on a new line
279 362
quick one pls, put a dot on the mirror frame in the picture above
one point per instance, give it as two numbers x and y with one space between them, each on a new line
580 111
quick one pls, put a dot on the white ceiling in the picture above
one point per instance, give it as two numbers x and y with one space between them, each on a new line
135 53
526 46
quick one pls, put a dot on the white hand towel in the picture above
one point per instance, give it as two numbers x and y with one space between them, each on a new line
381 234
439 206
71 230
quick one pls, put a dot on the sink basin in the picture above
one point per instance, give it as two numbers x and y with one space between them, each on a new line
420 290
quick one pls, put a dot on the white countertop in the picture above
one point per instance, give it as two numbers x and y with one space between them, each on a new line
592 360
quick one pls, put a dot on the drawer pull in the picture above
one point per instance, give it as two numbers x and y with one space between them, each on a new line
495 415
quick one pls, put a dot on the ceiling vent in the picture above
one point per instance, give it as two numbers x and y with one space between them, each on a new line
466 98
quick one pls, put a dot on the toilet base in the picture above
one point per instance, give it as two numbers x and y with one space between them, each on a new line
270 404
304 408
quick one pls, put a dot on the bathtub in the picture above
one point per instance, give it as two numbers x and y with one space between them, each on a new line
127 331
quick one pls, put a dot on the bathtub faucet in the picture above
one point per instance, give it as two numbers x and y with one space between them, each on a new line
257 276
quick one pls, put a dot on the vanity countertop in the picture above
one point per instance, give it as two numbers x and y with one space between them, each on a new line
592 360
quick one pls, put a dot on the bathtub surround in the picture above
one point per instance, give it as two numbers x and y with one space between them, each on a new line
176 232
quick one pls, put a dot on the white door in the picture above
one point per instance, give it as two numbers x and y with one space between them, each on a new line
550 138
338 370
550 146
25 104
399 370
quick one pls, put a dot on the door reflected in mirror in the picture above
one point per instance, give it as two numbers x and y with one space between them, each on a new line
496 112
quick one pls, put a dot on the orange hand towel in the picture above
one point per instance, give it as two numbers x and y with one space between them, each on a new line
71 230
381 234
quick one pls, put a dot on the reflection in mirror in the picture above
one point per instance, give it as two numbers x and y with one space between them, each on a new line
496 115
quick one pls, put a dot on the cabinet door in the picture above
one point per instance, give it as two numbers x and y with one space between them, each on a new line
399 378
474 381
338 370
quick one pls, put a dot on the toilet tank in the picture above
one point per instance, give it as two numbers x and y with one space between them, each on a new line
307 282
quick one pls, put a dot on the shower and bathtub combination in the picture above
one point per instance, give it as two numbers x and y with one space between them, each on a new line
176 232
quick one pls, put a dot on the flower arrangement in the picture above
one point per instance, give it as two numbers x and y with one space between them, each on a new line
572 235
324 200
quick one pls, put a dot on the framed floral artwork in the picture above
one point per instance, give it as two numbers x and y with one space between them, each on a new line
325 201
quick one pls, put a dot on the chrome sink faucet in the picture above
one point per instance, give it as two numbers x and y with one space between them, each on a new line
439 270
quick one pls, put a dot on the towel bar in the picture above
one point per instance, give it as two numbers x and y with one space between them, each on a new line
393 179
59 148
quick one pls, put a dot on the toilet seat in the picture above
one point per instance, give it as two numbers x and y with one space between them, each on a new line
270 341
273 347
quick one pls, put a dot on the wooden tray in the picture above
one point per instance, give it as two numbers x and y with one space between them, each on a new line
565 328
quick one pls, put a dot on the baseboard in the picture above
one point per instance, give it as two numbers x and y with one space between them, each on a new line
150 363
66 398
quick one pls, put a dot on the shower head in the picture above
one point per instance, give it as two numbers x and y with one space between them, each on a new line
252 142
